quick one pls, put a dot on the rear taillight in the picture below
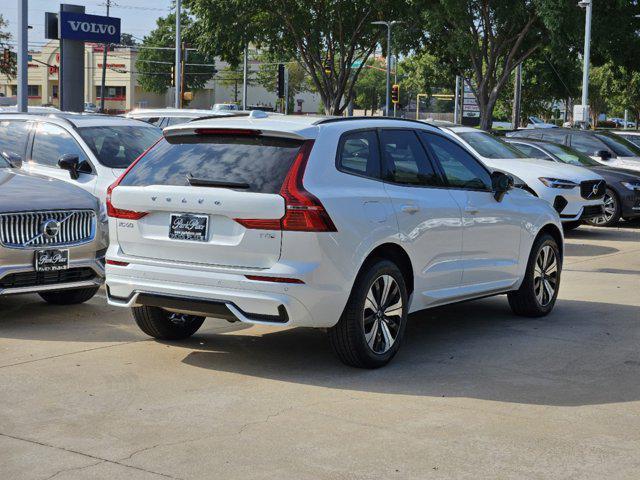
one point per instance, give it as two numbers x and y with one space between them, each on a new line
303 211
119 212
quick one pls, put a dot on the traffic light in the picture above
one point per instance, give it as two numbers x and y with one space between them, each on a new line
327 67
281 80
395 93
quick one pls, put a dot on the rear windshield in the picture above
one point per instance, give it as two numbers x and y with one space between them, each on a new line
259 163
119 146
489 146
620 146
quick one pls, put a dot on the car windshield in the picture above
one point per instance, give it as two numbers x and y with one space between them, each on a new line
489 146
536 120
620 146
635 139
118 146
569 155
4 163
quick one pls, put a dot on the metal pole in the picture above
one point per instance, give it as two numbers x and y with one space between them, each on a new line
387 104
104 67
456 102
245 77
286 91
585 71
517 98
23 55
626 118
177 69
395 81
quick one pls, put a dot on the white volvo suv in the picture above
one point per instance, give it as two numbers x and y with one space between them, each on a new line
347 224
575 192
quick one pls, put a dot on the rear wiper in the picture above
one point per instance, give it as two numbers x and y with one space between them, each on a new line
203 182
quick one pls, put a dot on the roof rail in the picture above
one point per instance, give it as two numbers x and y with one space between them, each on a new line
324 121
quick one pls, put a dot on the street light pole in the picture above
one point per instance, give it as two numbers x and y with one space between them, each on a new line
178 69
245 77
23 55
587 5
104 66
388 90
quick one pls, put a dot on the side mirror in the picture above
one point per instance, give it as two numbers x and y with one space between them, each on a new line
70 163
603 154
501 183
14 159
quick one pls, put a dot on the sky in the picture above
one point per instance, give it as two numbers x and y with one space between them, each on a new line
138 16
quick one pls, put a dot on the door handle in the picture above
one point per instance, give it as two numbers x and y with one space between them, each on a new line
409 208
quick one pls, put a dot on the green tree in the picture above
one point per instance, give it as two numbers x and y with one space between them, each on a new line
485 40
316 33
231 76
369 90
156 57
128 40
8 69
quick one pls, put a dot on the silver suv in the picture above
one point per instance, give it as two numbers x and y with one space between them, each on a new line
52 234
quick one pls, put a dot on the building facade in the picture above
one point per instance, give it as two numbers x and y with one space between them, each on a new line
122 92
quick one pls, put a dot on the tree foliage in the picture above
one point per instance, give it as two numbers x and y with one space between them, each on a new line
8 69
316 33
154 66
298 80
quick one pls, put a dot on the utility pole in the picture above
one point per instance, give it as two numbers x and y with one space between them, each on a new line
23 54
286 90
395 82
245 75
587 5
104 67
182 62
178 69
456 102
388 89
517 98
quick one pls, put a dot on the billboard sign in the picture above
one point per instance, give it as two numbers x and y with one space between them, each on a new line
89 28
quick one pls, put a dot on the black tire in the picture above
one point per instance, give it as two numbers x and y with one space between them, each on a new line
69 297
568 226
349 337
525 300
613 210
164 325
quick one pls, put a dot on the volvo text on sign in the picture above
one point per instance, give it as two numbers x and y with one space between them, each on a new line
90 28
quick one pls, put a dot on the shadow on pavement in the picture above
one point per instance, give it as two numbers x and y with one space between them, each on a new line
584 353
586 250
626 232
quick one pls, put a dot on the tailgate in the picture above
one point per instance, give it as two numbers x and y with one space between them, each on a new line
218 238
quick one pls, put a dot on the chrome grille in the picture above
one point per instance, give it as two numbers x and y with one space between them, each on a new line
592 189
26 229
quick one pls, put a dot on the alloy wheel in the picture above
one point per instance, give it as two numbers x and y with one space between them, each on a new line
610 208
545 275
382 315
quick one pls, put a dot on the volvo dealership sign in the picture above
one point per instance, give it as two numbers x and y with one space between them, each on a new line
89 28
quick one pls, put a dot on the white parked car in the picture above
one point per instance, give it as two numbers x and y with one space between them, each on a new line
89 151
345 224
165 117
575 192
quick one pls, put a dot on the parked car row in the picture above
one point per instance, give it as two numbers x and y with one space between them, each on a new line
347 224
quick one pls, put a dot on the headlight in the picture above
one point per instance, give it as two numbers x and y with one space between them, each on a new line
558 183
632 185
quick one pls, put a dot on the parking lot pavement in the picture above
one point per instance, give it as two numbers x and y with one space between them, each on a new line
474 393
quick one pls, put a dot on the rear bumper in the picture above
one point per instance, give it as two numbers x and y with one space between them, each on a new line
222 293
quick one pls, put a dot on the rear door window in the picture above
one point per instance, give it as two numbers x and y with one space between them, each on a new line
405 159
13 136
258 163
358 153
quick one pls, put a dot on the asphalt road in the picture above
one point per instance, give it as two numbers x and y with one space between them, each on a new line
474 393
